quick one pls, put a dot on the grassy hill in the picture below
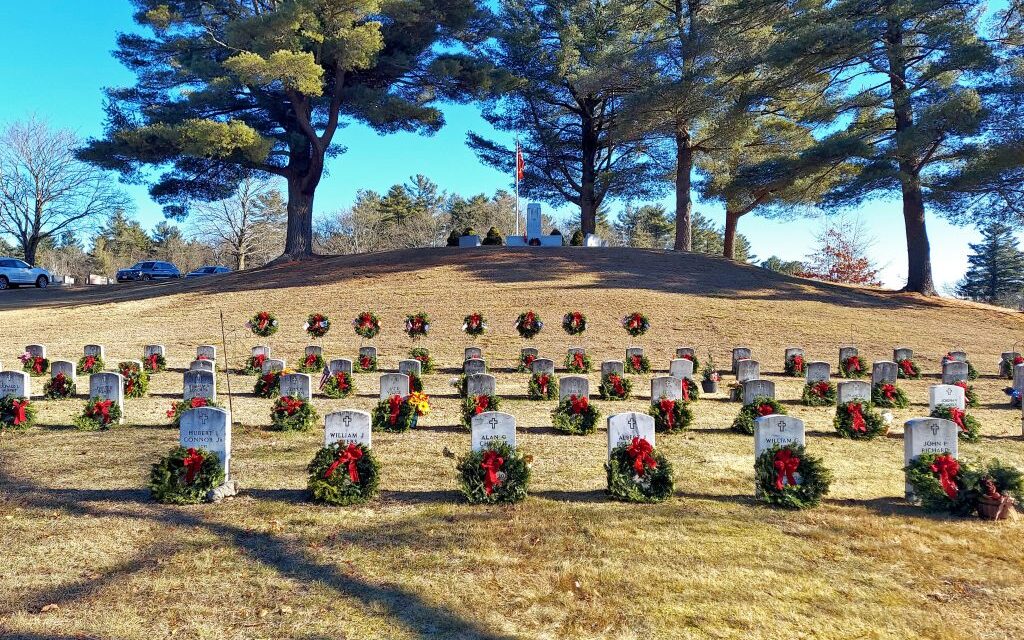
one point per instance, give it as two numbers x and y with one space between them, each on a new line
80 532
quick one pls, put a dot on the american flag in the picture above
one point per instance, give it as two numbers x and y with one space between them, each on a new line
325 377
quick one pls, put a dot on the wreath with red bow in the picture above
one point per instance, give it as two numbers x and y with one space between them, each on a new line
99 415
338 385
968 425
181 406
888 395
761 406
636 324
908 369
417 325
795 365
154 362
16 414
35 366
575 415
852 367
263 324
88 365
615 387
254 365
970 395
574 323
496 474
941 483
59 387
529 324
819 394
343 474
185 476
637 363
476 405
577 362
791 478
317 325
542 386
525 362
291 413
366 325
670 415
858 421
365 364
639 473
312 362
474 324
136 379
268 385
395 414
423 355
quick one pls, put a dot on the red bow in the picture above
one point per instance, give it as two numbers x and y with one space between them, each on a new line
1018 360
963 385
577 319
482 404
786 465
577 359
341 380
668 409
889 391
193 462
820 389
258 360
616 381
947 467
262 320
686 390
528 359
89 363
310 360
634 321
198 402
853 363
542 381
19 407
290 405
688 356
102 409
153 366
129 386
395 406
350 455
37 364
957 416
639 452
857 415
578 404
492 463
365 362
798 363
907 366
530 318
637 361
365 321
765 410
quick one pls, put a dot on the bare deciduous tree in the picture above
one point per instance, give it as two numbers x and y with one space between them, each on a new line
249 226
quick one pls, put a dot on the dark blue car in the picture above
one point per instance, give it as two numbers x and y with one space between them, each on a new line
149 270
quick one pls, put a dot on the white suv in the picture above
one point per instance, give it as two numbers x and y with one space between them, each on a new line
14 272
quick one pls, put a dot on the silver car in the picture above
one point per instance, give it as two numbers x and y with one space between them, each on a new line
14 272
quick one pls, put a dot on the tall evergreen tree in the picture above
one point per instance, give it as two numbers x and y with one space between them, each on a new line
996 267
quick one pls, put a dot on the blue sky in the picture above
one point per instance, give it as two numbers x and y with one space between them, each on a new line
60 77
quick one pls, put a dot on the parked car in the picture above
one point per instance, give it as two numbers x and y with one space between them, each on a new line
208 271
14 272
149 270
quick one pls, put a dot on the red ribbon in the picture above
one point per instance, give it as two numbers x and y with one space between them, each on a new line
957 416
258 360
686 390
635 321
19 407
262 320
290 405
616 381
193 462
765 410
1018 360
102 408
577 319
637 361
786 465
907 366
129 386
482 404
947 467
395 406
668 408
963 385
365 362
37 364
820 389
578 404
89 363
577 359
341 380
543 380
639 452
491 464
798 363
688 357
310 360
857 415
853 363
153 366
528 359
349 455
889 391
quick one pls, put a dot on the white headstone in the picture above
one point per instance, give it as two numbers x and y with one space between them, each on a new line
853 390
347 427
17 384
297 385
777 430
36 350
928 435
208 428
847 352
623 427
543 365
634 351
747 369
492 426
954 371
609 367
1018 377
958 356
946 395
902 353
573 386
472 353
394 384
209 366
108 386
410 367
481 384
314 349
526 351
273 364
150 349
794 351
58 367
199 384
474 365
206 352
682 352
817 372
261 350
340 365
666 387
755 388
681 368
741 353
883 372
94 350
368 352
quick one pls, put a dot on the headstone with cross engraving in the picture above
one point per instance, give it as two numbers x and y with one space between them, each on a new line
473 353
340 365
954 371
740 353
817 372
203 365
297 385
665 387
410 367
16 384
623 427
347 427
108 386
492 427
609 367
578 386
199 384
206 352
481 384
394 384
95 350
884 372
755 388
902 353
851 390
208 428
681 368
747 370
58 367
777 430
928 435
474 365
543 366
946 395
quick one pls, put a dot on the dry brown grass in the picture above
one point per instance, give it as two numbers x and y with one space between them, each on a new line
79 531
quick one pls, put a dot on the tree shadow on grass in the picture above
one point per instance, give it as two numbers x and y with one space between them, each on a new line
887 506
410 497
743 499
588 496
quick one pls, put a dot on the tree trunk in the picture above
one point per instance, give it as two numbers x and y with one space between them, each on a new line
240 261
298 242
919 264
684 203
732 219
588 178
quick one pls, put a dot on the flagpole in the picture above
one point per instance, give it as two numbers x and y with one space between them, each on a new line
516 169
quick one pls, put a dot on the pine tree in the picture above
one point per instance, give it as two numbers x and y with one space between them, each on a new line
996 271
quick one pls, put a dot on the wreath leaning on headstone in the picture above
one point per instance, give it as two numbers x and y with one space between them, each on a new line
525 362
476 405
136 379
639 473
857 420
496 474
291 413
395 414
35 366
908 369
338 385
89 364
267 385
423 355
185 476
155 362
819 394
970 428
670 415
761 406
939 482
575 415
16 414
542 386
365 364
181 406
791 478
254 364
59 387
615 387
313 362
852 367
577 362
638 363
98 415
970 395
889 396
343 474
795 365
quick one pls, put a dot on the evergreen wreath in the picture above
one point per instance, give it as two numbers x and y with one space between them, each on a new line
638 363
395 414
338 385
312 363
970 428
415 382
98 415
417 325
343 474
365 364
185 476
423 355
795 365
575 415
268 385
474 324
691 392
940 483
636 324
692 358
136 379
970 395
254 365
852 367
529 324
542 386
317 325
789 477
819 394
577 362
154 363
1007 364
574 323
59 387
88 365
291 413
35 366
366 325
476 405
525 362
615 387
908 369
181 406
639 473
16 414
670 415
857 420
761 406
263 324
497 474
888 395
